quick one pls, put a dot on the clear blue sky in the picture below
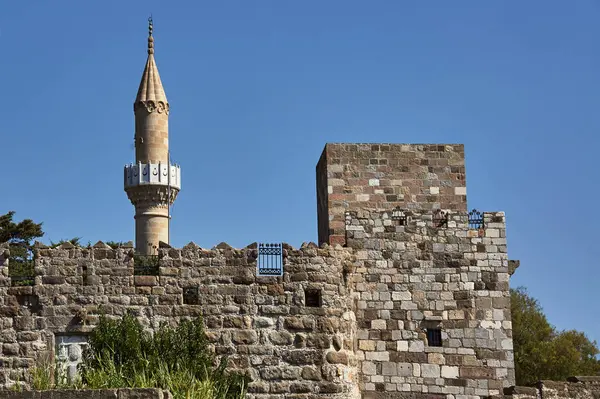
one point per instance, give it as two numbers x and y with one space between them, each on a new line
258 87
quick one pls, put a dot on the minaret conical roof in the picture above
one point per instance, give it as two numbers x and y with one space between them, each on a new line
151 88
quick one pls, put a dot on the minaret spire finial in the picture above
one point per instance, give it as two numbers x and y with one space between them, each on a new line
150 38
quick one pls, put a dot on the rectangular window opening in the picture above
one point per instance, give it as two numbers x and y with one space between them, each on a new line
191 296
312 298
434 337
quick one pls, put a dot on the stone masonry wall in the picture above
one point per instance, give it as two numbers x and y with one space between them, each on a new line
383 176
366 336
573 388
261 323
413 276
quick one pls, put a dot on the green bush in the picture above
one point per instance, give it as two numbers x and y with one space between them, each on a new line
21 272
122 354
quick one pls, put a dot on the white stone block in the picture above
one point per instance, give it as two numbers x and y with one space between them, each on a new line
492 233
449 372
416 367
373 182
378 325
402 346
401 296
507 344
378 356
434 190
460 191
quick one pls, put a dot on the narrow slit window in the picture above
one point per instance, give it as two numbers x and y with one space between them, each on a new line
312 298
434 337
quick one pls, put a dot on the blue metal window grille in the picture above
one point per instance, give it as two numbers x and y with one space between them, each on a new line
270 260
476 219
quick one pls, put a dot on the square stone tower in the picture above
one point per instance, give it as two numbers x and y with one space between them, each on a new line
385 176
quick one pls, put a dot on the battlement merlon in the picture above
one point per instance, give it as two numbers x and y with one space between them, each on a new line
352 176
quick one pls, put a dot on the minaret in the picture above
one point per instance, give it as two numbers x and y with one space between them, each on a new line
152 183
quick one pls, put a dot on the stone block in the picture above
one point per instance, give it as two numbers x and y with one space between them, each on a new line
389 368
430 370
311 373
450 372
369 368
366 345
379 324
416 346
281 338
245 337
337 357
145 281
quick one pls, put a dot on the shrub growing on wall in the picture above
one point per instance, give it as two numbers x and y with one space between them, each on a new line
122 354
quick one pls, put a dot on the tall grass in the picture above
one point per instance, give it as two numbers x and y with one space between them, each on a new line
122 355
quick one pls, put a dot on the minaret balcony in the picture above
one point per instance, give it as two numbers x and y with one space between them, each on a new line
158 174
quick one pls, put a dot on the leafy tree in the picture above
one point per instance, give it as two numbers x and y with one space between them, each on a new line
19 235
542 352
75 241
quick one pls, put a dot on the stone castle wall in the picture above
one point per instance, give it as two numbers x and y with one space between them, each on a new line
573 388
260 323
365 336
413 276
383 176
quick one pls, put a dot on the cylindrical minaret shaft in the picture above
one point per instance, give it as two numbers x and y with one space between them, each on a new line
152 183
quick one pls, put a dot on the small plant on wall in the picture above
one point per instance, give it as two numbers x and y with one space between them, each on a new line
122 354
147 265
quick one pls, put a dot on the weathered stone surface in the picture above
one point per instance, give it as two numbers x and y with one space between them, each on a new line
369 334
244 337
337 357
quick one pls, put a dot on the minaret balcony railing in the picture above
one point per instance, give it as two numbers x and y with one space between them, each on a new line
153 174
